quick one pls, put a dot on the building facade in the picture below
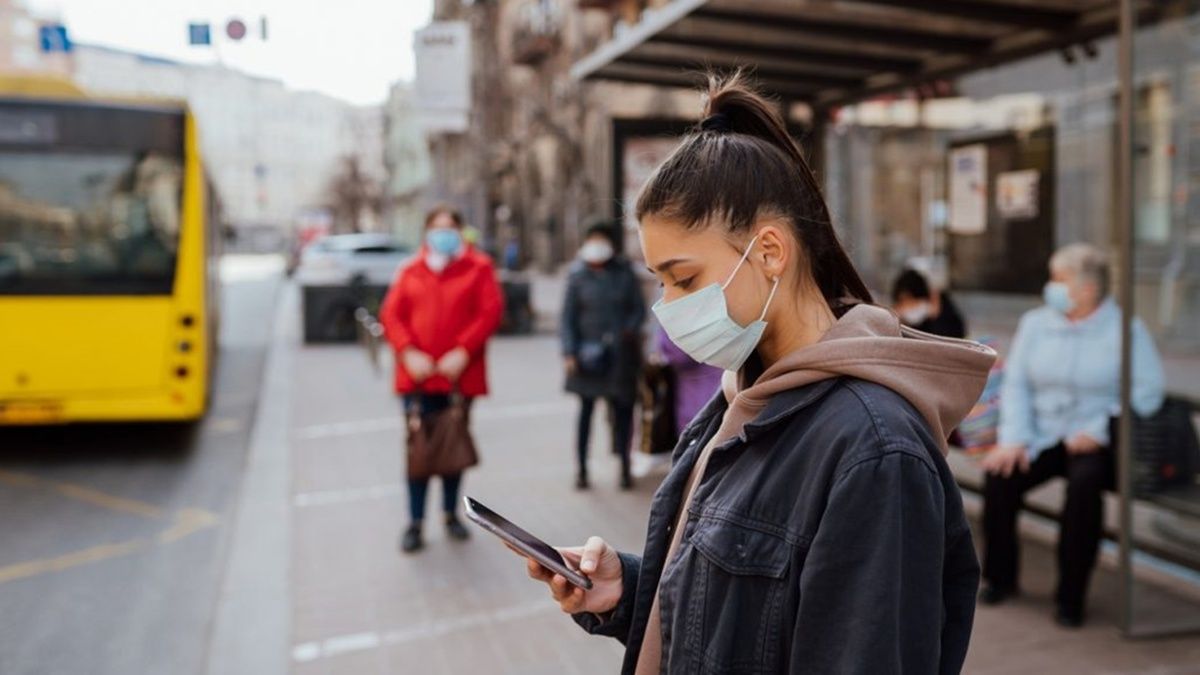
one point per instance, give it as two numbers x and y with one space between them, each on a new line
271 151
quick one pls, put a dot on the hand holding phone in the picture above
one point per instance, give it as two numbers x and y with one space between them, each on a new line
581 579
602 565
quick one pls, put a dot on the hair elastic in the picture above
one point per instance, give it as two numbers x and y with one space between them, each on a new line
718 122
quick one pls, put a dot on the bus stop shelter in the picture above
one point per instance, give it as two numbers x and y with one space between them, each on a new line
826 54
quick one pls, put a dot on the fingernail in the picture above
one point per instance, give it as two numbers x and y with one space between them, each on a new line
588 565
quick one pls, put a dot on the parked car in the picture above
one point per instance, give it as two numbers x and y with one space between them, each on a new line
343 259
338 274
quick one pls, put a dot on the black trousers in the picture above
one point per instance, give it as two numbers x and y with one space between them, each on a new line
1080 524
621 416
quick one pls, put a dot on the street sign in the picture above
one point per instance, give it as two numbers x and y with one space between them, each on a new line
443 87
199 34
54 38
235 29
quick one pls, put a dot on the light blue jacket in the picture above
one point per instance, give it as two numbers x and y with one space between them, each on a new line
1063 378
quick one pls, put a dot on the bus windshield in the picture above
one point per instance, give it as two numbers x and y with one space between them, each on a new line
94 222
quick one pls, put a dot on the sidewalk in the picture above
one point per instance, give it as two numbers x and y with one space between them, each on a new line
360 607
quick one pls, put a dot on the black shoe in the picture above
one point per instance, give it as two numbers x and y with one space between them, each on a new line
994 595
1068 618
455 529
626 481
581 482
411 541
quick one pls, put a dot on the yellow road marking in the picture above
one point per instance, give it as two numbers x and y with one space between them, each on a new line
184 522
85 494
187 521
62 562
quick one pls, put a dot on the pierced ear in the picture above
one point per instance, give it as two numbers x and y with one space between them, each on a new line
774 250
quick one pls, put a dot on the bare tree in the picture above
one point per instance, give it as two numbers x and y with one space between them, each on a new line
354 196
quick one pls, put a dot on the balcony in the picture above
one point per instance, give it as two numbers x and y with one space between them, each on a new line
537 33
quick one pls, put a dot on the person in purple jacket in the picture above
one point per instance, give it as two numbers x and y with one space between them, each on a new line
695 383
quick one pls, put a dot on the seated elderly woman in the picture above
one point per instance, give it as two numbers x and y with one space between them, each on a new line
1061 390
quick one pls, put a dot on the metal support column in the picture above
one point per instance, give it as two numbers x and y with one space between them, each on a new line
1124 242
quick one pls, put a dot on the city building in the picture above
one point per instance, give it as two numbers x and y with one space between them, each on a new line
272 151
535 163
20 43
406 160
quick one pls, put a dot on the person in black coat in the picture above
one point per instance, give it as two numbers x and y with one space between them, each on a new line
601 322
925 308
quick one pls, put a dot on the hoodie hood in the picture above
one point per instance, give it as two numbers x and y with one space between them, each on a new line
941 377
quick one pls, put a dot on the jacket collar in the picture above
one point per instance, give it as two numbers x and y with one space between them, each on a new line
1103 315
423 254
779 408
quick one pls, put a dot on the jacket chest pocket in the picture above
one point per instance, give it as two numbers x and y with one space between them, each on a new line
732 611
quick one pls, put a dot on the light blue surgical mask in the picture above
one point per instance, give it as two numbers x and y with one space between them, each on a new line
1058 296
700 325
443 240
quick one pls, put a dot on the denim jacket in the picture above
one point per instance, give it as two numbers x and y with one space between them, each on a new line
1063 378
828 537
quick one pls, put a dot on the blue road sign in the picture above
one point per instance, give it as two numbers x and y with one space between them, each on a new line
54 38
199 34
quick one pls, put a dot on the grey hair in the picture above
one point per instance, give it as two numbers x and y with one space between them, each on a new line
1087 262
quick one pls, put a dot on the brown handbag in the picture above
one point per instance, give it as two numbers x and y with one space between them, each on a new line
440 443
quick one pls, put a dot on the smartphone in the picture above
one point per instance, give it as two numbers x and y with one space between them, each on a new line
532 547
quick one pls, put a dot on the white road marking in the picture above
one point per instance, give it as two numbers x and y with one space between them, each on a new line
481 414
327 497
342 644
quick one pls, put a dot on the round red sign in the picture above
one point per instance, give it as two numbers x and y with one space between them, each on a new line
235 29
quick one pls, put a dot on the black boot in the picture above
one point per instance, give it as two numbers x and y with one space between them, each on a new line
411 541
626 480
1068 617
455 528
994 595
581 481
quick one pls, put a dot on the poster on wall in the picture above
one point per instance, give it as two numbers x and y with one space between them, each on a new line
968 189
642 154
1017 194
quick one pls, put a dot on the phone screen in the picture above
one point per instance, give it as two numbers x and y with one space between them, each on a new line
521 535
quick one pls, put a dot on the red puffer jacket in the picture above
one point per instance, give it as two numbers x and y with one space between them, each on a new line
461 307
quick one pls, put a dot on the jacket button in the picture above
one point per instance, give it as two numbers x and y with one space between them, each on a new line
741 550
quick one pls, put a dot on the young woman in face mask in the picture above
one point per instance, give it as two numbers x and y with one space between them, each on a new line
810 523
438 315
1061 388
599 333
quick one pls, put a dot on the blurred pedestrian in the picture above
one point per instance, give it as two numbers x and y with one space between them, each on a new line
695 382
923 306
600 334
438 315
1061 387
810 523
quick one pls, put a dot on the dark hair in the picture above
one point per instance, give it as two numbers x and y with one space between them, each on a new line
603 228
446 209
913 283
738 164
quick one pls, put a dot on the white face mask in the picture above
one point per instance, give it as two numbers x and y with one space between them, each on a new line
700 324
596 252
915 315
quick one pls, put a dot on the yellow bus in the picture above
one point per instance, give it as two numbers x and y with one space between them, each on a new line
108 247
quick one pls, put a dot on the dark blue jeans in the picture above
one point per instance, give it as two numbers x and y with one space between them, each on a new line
418 488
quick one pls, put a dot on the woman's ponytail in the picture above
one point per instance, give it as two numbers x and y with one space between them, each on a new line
739 163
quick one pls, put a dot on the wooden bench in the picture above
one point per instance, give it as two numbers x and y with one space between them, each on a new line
1166 524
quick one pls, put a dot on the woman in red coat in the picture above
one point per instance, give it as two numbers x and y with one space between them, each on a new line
438 316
